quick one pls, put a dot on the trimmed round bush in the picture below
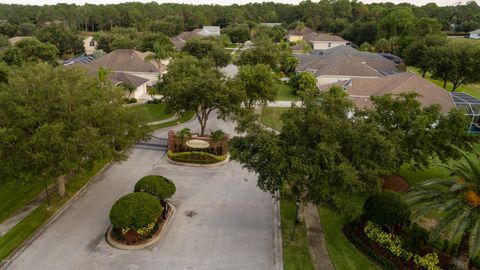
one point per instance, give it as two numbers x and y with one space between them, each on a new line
387 208
135 210
156 185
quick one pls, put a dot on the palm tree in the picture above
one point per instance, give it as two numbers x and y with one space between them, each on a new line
183 135
103 73
216 136
458 200
160 52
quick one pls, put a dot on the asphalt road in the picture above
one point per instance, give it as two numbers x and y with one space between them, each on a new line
229 226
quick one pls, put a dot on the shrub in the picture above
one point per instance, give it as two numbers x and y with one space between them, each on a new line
156 185
135 211
362 246
130 100
387 208
415 238
393 244
196 157
154 101
388 241
430 261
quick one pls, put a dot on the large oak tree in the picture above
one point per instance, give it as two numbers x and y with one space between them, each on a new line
60 122
193 84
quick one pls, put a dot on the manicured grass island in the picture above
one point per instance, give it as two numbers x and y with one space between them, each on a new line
154 112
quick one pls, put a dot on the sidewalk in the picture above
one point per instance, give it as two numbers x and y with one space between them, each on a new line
316 241
173 118
285 104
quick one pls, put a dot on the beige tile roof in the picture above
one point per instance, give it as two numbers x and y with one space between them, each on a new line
127 60
16 39
345 65
179 41
360 90
322 37
300 32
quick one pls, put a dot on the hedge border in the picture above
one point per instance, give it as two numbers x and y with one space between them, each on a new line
147 243
188 164
365 249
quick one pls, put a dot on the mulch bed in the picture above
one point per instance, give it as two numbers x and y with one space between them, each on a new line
357 229
396 183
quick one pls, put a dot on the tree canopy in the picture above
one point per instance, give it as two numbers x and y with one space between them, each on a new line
205 48
193 84
258 83
60 122
30 50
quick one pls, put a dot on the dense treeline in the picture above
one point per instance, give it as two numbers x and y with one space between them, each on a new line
340 16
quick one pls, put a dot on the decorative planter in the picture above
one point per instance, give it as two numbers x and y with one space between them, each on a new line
146 243
220 163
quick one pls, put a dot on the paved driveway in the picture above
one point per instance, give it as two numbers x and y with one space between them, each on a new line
231 227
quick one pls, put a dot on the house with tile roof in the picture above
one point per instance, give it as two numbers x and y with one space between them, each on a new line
16 39
207 31
360 90
129 67
475 34
341 67
297 34
323 41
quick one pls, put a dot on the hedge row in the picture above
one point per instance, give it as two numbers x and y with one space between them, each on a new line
196 157
362 246
156 185
135 211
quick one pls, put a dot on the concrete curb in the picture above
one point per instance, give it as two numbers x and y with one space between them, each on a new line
14 255
277 234
148 243
218 164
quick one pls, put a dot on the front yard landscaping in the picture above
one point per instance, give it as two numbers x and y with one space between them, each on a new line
343 253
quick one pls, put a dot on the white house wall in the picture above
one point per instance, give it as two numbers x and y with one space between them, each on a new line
139 91
327 79
323 45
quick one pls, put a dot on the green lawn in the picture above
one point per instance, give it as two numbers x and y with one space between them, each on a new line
271 117
155 112
285 92
11 240
12 200
471 89
184 118
342 253
465 40
296 254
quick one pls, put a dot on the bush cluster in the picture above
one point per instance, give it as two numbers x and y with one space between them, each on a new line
393 244
387 208
154 101
196 157
135 211
156 185
362 246
130 100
